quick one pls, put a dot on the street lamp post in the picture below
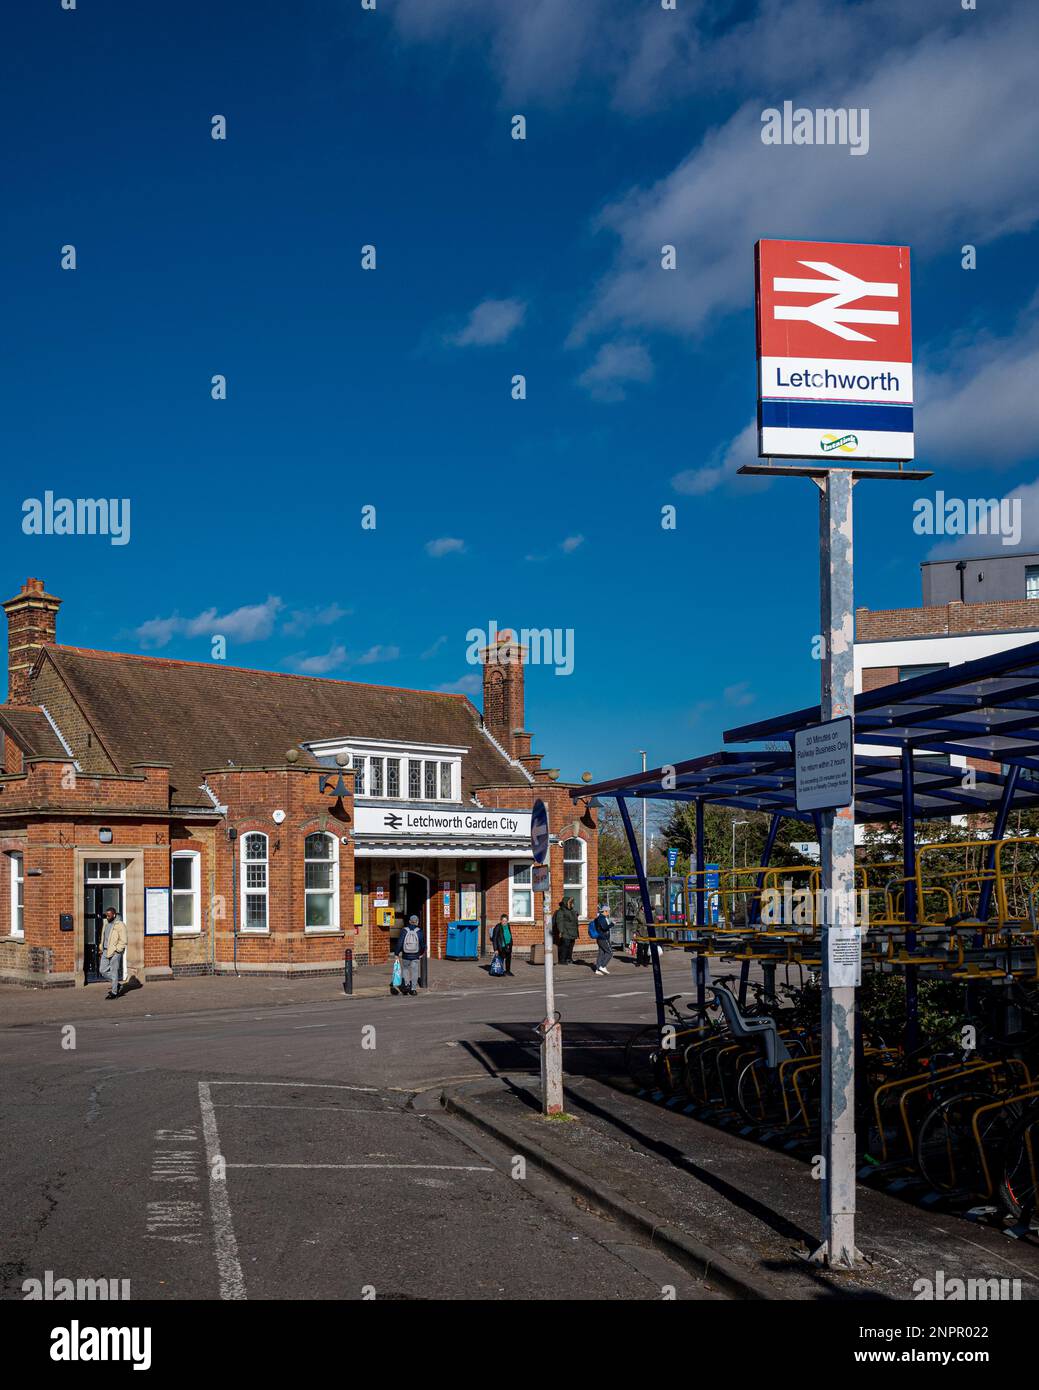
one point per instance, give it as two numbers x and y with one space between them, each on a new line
735 823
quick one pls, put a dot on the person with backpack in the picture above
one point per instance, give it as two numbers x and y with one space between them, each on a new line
564 922
501 940
411 947
599 931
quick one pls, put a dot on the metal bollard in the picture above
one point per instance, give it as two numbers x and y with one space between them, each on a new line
423 972
348 972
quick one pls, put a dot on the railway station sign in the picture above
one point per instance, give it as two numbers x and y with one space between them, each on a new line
823 766
835 353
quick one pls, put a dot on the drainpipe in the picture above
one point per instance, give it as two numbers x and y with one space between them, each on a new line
232 836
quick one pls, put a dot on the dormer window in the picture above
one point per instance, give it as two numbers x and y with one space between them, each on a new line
388 771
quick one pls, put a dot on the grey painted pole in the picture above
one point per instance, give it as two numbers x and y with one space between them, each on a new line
837 854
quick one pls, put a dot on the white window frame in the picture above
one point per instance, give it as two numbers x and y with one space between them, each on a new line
195 858
514 888
363 752
263 892
579 891
333 926
17 865
1031 580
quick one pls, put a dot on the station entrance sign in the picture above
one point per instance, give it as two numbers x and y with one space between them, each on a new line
835 355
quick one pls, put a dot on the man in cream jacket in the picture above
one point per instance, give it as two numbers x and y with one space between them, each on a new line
113 951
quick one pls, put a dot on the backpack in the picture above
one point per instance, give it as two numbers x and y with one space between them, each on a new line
411 941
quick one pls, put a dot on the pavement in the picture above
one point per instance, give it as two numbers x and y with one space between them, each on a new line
743 1214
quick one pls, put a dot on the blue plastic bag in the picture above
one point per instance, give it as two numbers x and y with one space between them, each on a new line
398 977
497 966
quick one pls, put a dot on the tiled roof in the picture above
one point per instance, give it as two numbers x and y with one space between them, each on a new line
32 731
197 716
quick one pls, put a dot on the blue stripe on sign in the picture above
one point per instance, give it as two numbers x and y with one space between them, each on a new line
825 415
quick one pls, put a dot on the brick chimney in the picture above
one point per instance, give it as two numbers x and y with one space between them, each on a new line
31 622
503 692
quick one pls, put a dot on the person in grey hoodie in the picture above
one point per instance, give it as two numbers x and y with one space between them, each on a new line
411 947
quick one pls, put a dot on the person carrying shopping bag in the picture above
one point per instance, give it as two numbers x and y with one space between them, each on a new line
501 940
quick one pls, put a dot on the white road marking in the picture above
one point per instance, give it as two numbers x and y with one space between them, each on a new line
303 1085
628 994
424 1167
302 1027
325 1109
229 1270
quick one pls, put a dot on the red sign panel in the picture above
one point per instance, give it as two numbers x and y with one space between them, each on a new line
840 300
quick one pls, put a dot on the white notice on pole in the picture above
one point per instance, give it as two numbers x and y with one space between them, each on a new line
845 957
823 766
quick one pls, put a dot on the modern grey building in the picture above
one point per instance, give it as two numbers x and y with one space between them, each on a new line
984 580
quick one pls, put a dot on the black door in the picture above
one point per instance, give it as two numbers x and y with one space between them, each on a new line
99 897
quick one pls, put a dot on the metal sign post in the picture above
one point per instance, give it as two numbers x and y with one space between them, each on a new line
837 846
550 1030
837 850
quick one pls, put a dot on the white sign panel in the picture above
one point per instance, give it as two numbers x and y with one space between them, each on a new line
429 823
539 878
823 766
156 911
844 957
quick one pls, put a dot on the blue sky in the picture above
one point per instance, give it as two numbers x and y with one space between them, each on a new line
391 387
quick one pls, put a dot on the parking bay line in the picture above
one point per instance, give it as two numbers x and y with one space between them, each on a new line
229 1269
302 1085
422 1167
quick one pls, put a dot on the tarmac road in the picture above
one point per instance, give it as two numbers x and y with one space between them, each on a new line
336 1177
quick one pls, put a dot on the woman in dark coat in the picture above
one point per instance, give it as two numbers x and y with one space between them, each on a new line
564 922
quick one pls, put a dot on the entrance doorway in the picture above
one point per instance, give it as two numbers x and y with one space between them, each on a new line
409 893
102 889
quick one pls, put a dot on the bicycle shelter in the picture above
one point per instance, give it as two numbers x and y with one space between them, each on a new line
977 927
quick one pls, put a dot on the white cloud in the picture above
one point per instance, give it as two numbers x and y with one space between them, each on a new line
332 660
722 465
465 685
377 653
302 619
433 648
642 57
444 545
489 323
951 159
615 366
570 544
739 695
250 623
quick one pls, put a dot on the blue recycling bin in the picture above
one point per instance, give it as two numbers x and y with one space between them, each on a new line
463 940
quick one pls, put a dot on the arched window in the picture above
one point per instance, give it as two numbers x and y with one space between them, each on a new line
321 868
574 874
254 881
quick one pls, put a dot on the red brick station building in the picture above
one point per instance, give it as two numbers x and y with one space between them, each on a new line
251 822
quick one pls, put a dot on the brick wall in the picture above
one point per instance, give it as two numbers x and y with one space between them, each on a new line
286 946
876 676
947 619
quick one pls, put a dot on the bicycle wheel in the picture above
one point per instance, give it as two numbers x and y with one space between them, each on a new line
1017 1185
946 1153
758 1096
651 1066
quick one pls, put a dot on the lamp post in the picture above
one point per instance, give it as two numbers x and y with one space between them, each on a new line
734 825
645 849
